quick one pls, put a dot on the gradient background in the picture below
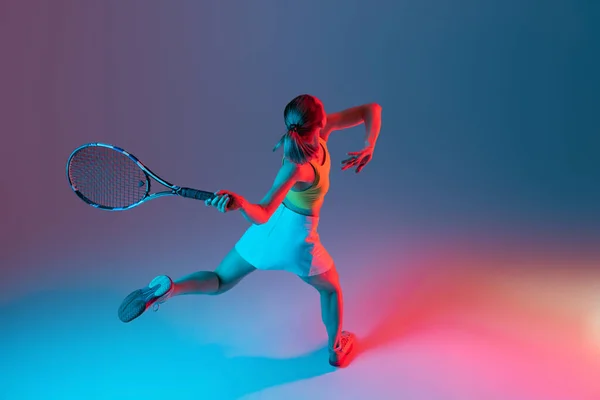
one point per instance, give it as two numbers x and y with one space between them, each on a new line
469 249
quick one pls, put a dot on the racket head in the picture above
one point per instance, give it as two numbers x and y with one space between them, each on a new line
107 177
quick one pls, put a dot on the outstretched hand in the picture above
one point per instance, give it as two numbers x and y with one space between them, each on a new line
225 201
358 159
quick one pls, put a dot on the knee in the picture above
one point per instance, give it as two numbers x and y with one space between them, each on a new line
224 285
331 288
221 288
326 283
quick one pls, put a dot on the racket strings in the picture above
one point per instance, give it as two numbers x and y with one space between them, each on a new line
107 177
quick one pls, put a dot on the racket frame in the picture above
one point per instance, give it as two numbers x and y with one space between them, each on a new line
174 190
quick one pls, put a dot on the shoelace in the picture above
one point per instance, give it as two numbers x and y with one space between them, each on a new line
344 338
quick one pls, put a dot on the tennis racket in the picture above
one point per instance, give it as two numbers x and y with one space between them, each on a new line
109 178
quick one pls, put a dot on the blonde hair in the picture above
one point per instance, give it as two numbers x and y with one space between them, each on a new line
302 116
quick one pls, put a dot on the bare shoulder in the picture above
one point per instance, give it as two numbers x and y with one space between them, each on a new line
296 172
289 168
333 122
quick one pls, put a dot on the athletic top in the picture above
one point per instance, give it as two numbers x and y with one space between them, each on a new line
312 197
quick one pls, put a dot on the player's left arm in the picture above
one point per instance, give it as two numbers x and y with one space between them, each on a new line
368 114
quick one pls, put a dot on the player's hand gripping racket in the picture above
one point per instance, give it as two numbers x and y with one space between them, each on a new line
108 177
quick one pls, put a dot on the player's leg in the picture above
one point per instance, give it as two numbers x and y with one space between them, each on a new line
327 284
340 343
230 271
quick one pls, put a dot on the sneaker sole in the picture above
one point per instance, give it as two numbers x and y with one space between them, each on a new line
139 300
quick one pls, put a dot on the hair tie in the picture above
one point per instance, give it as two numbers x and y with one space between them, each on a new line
294 128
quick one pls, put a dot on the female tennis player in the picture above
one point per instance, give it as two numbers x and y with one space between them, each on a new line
283 234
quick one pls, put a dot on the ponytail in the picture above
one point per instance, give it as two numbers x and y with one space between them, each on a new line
295 148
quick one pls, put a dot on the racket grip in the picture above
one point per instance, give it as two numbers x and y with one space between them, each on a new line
195 194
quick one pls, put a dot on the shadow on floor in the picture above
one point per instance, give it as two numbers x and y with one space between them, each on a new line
79 331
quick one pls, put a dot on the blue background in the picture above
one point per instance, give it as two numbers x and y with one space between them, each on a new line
472 237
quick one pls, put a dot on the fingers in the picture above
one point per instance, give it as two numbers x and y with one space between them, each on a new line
223 203
354 157
349 163
362 163
359 162
349 160
219 201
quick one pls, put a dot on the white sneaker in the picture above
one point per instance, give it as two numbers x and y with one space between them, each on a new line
138 301
343 348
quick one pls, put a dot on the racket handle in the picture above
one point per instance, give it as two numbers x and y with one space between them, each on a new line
195 194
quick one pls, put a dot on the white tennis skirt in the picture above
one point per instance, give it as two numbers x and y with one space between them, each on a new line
288 241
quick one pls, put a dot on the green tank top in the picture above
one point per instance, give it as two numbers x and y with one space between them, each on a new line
313 196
